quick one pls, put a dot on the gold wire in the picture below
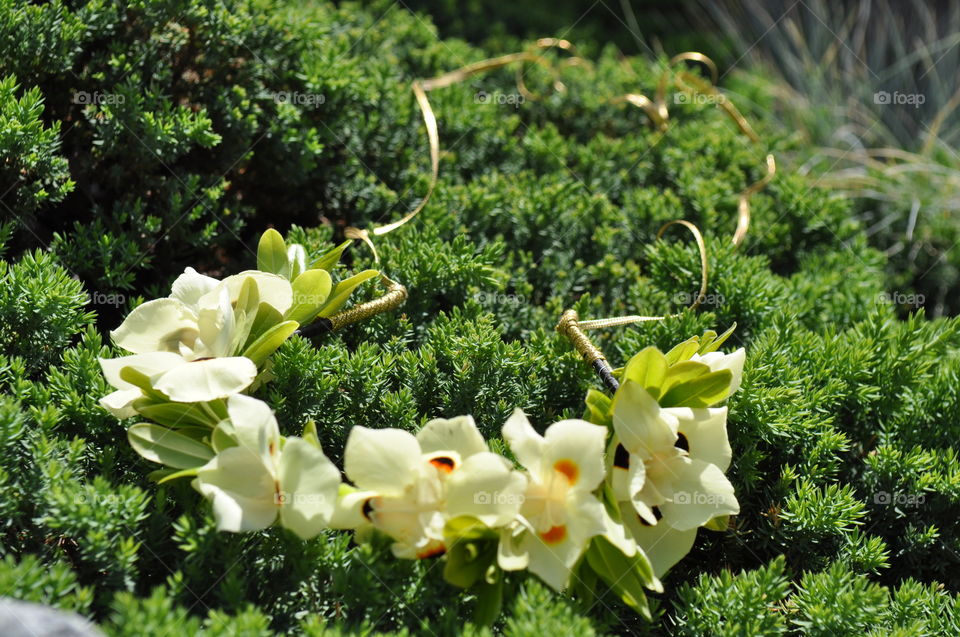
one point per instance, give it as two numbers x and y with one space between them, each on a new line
395 295
570 327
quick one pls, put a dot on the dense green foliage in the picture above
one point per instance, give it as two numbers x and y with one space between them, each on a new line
843 431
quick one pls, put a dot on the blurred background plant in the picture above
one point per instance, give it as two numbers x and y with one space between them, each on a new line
871 90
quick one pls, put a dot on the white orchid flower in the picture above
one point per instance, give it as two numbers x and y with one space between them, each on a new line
560 513
669 464
265 476
409 486
185 343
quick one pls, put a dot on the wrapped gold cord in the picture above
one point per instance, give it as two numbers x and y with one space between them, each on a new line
570 327
395 295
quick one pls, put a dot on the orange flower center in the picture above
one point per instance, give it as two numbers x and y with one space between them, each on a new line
569 469
555 535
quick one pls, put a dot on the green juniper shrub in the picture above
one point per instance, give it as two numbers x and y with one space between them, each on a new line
843 432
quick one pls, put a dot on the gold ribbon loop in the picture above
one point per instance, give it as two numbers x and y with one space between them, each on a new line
420 89
743 206
655 109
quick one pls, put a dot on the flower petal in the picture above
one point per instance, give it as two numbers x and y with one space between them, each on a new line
382 460
309 483
156 326
511 555
698 492
643 427
527 445
255 426
486 488
732 361
705 432
205 380
617 534
241 489
148 364
274 290
190 286
418 533
455 434
575 448
119 403
554 553
663 544
216 326
348 512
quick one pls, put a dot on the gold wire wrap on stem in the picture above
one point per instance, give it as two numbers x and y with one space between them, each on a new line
570 327
395 295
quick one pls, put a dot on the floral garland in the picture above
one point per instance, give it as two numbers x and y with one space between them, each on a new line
617 496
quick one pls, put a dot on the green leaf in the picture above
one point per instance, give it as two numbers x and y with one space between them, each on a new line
159 475
715 343
465 527
681 373
702 391
329 260
272 254
342 290
626 576
223 437
598 408
719 523
269 341
166 446
310 292
175 414
267 316
649 369
310 434
141 381
489 600
245 312
684 350
185 473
